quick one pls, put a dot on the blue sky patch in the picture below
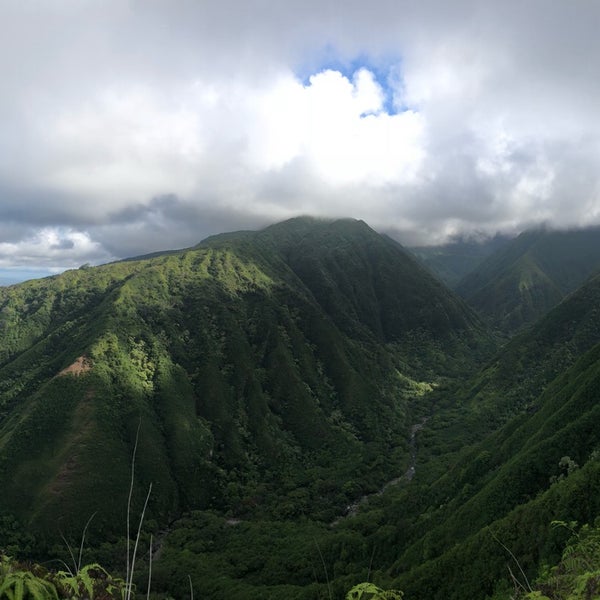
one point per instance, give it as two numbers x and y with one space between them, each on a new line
10 276
387 72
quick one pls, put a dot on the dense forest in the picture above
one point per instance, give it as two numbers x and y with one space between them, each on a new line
306 411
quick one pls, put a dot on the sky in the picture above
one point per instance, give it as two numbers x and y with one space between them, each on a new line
131 126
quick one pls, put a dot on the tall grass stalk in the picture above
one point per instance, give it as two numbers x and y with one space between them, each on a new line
149 570
129 583
137 435
76 563
515 580
132 555
324 568
82 542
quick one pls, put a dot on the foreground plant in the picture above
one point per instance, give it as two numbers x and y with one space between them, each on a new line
17 583
369 591
33 582
91 581
577 575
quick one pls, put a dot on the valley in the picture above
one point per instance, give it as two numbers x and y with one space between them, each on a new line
314 408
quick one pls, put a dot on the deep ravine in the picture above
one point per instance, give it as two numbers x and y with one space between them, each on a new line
407 476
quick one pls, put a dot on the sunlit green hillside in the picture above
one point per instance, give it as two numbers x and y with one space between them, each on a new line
268 373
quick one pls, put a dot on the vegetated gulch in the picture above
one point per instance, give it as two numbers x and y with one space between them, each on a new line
314 408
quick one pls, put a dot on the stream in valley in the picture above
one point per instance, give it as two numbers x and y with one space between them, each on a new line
407 476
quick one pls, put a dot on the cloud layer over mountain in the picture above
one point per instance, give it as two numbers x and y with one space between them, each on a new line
129 127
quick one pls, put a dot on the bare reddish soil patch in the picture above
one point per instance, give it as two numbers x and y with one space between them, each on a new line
81 365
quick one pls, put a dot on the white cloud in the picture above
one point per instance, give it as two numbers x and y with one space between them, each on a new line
127 143
339 128
52 247
131 144
106 106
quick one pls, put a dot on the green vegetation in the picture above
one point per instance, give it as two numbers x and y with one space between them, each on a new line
318 417
368 591
30 581
576 576
523 280
22 584
271 372
453 261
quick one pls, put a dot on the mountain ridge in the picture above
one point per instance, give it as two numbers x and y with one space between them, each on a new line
279 380
524 279
240 363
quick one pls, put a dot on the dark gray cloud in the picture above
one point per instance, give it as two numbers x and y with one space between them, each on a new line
169 223
130 127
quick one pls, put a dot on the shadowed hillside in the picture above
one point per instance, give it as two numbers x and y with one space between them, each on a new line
499 456
268 372
453 261
314 409
523 280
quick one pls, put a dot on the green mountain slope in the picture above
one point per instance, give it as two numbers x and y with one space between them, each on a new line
511 383
453 261
373 287
500 457
504 494
508 485
268 373
523 280
279 380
